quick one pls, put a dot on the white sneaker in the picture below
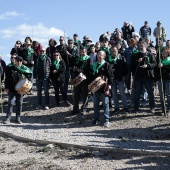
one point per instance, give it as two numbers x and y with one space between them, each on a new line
106 124
46 108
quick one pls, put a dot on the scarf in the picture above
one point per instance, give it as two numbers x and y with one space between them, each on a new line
30 51
42 57
23 69
166 61
96 68
135 51
105 49
82 58
56 64
113 60
76 42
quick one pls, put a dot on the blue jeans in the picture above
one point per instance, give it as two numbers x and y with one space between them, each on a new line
166 87
105 101
12 98
128 79
31 79
59 85
121 86
45 84
149 85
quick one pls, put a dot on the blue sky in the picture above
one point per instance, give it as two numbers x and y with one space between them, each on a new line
43 20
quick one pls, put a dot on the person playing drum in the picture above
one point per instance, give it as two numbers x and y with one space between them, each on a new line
82 66
14 72
101 68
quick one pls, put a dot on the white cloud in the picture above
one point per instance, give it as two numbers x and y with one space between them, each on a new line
36 32
9 15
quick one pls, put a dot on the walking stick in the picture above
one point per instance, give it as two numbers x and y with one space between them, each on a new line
162 88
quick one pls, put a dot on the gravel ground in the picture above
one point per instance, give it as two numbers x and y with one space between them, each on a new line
142 131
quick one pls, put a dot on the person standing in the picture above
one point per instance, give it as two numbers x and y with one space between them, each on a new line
143 64
145 31
101 68
82 66
159 32
57 76
14 72
118 64
42 80
29 55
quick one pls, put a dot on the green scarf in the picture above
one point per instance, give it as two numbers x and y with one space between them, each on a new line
56 64
166 61
42 57
95 68
23 69
135 51
76 42
105 49
82 58
113 60
30 51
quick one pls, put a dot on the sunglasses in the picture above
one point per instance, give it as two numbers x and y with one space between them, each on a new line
70 43
42 50
61 40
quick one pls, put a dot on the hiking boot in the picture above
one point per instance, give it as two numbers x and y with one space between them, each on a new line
136 110
74 112
18 120
67 103
116 111
38 107
95 122
125 110
7 120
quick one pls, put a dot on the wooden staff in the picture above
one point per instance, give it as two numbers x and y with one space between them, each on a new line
162 88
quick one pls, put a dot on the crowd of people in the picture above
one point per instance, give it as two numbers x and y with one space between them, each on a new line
125 60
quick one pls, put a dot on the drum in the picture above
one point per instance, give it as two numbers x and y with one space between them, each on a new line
96 84
77 80
23 86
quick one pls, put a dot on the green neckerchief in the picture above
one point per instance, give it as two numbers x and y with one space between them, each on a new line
10 64
96 68
82 58
23 69
166 61
113 60
105 49
42 57
136 51
76 42
30 51
56 64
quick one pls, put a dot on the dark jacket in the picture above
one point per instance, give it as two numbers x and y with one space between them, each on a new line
60 75
73 55
27 58
165 72
106 70
119 68
142 73
13 75
49 51
86 67
47 65
127 31
79 46
62 48
17 51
